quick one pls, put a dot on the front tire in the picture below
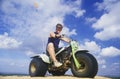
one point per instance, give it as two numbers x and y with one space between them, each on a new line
89 65
37 67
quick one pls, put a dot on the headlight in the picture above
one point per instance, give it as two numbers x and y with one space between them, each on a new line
74 45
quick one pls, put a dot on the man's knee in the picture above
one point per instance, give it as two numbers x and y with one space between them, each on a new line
50 46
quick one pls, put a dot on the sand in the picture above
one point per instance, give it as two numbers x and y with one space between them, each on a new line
49 77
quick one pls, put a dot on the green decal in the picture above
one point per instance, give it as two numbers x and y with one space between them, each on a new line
74 46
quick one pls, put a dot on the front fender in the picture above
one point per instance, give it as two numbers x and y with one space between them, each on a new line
81 51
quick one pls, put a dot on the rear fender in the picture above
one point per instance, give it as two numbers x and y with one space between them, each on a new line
44 57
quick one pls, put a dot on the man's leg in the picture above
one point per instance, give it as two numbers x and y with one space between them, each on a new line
51 51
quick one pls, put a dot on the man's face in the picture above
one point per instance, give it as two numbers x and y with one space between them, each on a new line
58 30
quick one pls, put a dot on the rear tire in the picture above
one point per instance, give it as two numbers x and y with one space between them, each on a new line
37 67
89 65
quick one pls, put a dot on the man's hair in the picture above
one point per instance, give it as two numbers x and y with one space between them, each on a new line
59 26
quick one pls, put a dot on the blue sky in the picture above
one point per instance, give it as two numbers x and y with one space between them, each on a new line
25 26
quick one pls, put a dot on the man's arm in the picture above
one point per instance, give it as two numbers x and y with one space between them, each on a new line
65 39
52 34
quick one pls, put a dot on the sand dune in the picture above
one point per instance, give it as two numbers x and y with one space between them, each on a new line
48 77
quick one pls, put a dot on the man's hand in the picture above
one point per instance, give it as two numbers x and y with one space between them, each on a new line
58 35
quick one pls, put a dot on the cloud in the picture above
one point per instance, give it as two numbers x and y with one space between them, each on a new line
67 31
108 24
111 69
75 9
101 60
29 53
90 20
7 42
31 24
11 65
92 46
100 52
103 66
110 51
115 66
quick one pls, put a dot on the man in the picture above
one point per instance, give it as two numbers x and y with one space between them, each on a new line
53 42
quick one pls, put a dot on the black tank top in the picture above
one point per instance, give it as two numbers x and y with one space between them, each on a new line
55 40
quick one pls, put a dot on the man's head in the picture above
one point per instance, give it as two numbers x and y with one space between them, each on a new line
59 28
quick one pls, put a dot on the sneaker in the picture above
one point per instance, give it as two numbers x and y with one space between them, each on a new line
57 64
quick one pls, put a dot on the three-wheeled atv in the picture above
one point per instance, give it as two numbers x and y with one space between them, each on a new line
81 63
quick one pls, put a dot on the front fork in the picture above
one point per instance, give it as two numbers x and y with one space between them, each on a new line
77 64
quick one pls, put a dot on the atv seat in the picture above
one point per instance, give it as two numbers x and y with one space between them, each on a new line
57 49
